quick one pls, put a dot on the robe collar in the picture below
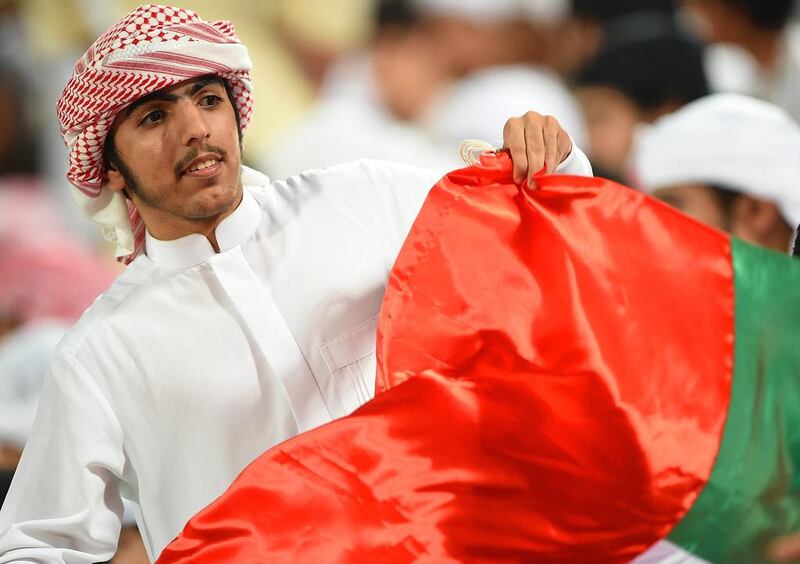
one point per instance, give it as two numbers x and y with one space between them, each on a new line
195 249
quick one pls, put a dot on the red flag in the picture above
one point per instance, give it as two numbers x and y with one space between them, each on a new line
554 374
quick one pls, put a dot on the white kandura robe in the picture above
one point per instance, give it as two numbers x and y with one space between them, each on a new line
194 363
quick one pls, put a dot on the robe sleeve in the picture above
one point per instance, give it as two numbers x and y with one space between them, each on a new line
398 191
64 504
576 163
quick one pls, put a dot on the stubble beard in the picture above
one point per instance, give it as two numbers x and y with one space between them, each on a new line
135 191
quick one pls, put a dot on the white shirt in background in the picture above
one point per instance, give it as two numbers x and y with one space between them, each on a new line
351 122
732 69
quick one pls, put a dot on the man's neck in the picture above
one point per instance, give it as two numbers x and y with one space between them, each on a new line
165 226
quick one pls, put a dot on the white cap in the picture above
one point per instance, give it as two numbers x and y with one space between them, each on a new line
727 140
479 11
478 106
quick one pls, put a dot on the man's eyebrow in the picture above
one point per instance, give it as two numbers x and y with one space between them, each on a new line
198 85
164 96
202 82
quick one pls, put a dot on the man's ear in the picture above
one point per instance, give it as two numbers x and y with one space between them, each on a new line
115 182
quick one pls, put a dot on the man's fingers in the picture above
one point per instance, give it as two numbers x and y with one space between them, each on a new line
564 145
514 141
551 132
535 142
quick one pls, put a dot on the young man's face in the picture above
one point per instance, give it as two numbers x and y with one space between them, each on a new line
751 219
696 200
178 154
611 119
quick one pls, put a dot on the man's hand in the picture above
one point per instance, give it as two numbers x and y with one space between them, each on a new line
535 141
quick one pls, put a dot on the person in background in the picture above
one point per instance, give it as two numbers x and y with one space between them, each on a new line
498 55
474 34
590 23
635 78
755 48
730 161
370 102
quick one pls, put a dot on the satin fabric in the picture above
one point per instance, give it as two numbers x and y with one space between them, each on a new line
753 494
554 375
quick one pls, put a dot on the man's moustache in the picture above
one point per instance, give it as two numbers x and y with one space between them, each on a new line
194 153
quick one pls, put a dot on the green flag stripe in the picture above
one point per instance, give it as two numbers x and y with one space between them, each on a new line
752 494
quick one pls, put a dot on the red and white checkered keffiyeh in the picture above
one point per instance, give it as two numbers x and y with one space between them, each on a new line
151 48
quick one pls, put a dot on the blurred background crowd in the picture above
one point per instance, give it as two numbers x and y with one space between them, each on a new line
695 101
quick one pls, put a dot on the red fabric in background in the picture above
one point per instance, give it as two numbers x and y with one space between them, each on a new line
554 374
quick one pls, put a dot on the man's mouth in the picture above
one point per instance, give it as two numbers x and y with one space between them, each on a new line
204 165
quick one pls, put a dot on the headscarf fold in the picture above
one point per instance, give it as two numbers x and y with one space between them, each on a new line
152 48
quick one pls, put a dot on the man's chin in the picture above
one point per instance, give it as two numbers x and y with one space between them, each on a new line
212 204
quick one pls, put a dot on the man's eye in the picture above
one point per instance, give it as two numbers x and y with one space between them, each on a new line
210 100
152 117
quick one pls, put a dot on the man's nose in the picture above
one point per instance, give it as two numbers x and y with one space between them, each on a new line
193 124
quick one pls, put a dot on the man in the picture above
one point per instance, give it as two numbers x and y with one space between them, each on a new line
591 23
381 93
730 161
755 48
644 71
476 35
248 311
